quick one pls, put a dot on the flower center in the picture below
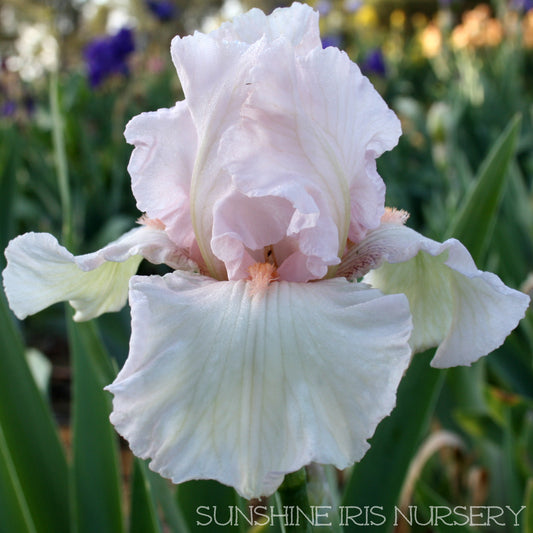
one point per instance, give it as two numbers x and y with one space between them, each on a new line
270 257
261 275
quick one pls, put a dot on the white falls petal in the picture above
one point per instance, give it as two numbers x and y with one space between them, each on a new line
41 272
224 383
466 312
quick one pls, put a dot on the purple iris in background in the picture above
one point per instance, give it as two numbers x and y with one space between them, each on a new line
331 40
351 6
107 55
323 7
524 5
26 105
8 108
374 63
164 10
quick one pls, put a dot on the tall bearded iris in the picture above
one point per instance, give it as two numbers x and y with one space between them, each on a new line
261 351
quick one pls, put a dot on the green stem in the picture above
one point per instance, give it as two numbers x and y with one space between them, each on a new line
293 497
60 159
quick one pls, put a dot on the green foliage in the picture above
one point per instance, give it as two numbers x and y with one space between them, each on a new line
396 438
475 222
143 518
95 469
33 469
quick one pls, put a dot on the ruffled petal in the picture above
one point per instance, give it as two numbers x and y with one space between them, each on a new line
41 272
292 219
237 237
161 167
213 77
215 71
467 313
209 64
309 132
226 383
298 23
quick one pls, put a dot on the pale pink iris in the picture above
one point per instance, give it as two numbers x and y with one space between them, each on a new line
261 352
258 156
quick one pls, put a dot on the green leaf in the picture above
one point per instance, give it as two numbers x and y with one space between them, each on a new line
528 503
211 498
456 522
14 512
31 448
8 163
164 495
96 475
143 516
480 425
474 224
378 479
293 493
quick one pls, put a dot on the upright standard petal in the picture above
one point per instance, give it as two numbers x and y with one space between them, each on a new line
243 386
41 272
213 77
215 72
298 23
161 167
467 313
309 134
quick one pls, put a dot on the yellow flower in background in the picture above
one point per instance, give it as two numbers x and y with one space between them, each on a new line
478 29
460 37
431 40
397 19
366 16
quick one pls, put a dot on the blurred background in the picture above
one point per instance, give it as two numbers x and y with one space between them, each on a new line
459 74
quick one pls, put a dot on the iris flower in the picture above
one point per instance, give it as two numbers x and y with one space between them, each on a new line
164 10
297 299
106 56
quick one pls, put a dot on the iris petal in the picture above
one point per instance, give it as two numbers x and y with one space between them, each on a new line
226 383
161 168
41 272
464 311
309 133
298 23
